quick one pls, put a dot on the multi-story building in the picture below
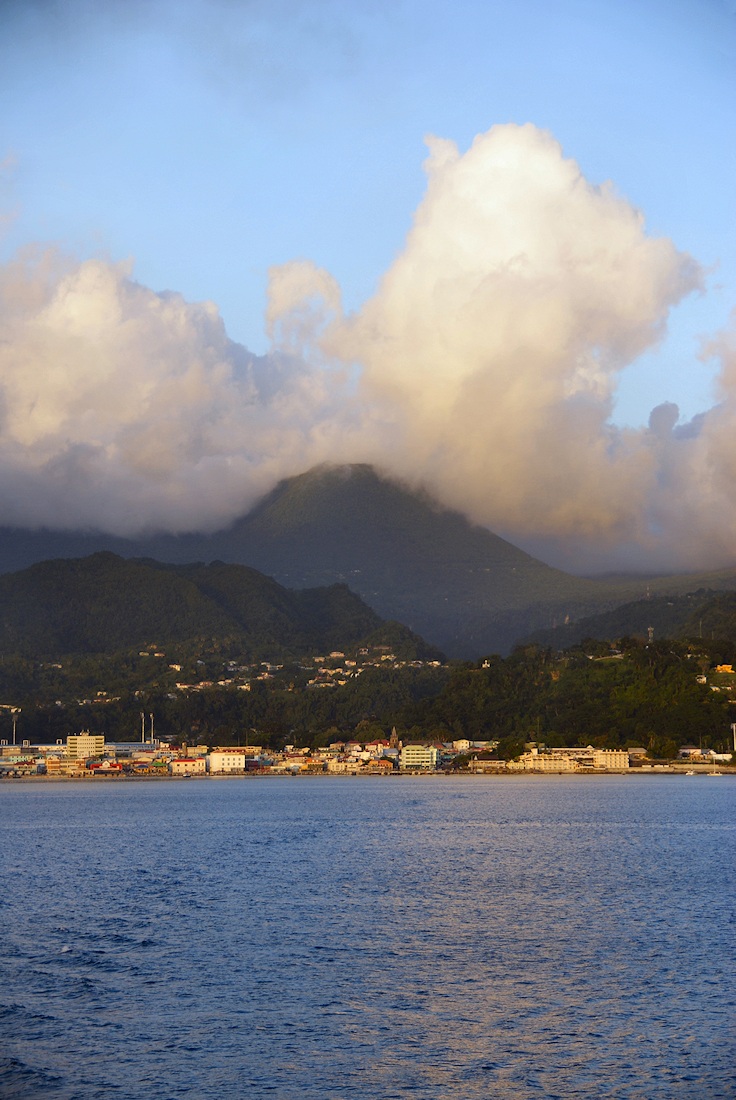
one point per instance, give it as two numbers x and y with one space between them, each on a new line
55 766
594 758
610 758
187 765
224 761
80 746
418 756
535 761
574 759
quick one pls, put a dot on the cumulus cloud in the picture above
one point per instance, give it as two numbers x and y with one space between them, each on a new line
127 410
500 330
484 369
693 506
496 340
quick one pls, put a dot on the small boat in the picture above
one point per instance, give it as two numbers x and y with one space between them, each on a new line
690 773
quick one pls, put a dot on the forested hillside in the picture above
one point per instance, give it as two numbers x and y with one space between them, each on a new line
105 604
703 614
220 652
660 696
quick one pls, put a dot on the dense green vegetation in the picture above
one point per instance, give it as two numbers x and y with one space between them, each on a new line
700 614
221 653
109 693
106 604
649 695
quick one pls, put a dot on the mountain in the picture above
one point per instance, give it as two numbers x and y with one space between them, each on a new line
105 604
458 585
465 589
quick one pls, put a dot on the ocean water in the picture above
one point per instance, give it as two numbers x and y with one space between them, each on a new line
510 937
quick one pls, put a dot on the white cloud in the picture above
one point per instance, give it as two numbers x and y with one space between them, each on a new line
126 409
483 368
499 333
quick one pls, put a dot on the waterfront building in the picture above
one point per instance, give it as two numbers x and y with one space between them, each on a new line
224 761
80 746
340 765
57 766
574 759
486 766
589 757
187 765
418 756
131 749
382 765
610 758
536 761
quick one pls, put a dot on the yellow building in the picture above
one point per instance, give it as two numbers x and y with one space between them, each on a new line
80 746
188 765
574 759
55 766
534 761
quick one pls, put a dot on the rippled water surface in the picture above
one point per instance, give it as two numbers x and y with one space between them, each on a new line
519 938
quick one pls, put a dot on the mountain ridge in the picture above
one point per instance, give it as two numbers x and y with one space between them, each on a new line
105 604
463 588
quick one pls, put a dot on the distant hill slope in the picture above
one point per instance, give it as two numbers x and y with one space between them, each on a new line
701 614
458 585
104 604
667 616
715 619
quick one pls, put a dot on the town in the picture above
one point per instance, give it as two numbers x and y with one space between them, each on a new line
372 710
88 755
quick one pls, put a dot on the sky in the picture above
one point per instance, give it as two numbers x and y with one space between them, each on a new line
487 245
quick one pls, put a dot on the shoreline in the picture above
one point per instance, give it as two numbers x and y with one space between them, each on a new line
598 774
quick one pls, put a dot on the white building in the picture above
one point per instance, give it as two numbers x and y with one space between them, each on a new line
341 766
226 761
418 756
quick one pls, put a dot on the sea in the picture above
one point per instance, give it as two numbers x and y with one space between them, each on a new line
300 938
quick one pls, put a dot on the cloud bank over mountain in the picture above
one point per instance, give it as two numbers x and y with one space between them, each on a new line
484 368
128 410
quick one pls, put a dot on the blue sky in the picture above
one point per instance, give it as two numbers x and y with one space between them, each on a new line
209 142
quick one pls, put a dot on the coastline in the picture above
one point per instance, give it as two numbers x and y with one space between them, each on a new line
654 771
